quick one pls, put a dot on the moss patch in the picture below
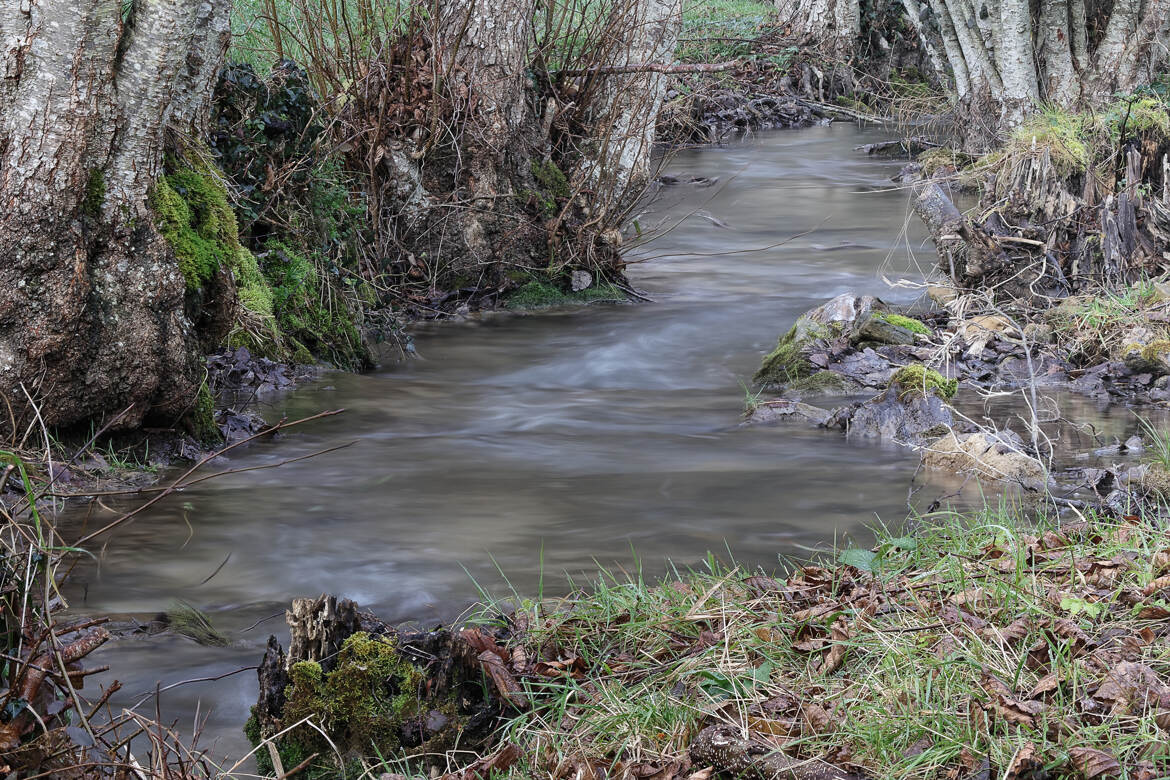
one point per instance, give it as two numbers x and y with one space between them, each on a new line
362 703
95 194
538 294
312 323
825 382
902 321
918 378
192 211
200 421
786 363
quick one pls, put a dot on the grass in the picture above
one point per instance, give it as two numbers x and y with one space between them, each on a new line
1094 327
715 30
982 638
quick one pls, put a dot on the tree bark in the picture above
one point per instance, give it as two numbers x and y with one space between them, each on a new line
1008 57
832 26
91 298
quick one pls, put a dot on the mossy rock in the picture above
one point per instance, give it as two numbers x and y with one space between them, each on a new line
787 363
917 378
887 328
836 318
824 382
1157 480
1152 358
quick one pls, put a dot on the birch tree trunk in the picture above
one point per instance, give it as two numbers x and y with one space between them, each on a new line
831 26
1007 57
91 298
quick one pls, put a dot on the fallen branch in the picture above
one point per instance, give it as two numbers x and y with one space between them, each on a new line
649 67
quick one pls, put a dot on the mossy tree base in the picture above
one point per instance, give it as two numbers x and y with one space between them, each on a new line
372 689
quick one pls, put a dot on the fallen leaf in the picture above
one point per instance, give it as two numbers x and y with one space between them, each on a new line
1093 763
816 718
1025 764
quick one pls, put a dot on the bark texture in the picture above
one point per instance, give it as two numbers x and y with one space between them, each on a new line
519 167
1007 57
91 299
832 26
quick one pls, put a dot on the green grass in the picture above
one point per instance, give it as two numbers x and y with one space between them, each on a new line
1093 328
715 30
973 638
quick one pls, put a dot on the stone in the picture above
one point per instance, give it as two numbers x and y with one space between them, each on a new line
875 329
910 419
990 455
784 410
789 362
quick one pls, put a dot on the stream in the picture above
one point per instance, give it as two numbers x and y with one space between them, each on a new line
517 448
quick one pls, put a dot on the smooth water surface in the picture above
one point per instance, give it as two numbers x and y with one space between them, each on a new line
539 444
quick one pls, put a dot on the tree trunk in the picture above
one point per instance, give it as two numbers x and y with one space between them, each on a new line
1008 57
533 148
91 298
830 26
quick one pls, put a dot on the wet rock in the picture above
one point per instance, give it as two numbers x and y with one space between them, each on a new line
833 320
784 410
1147 356
998 456
897 415
877 329
866 368
825 383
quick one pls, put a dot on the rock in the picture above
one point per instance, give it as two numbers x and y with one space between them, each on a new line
866 368
580 280
991 455
1038 333
897 416
882 328
941 294
1146 356
789 361
825 383
1134 445
784 410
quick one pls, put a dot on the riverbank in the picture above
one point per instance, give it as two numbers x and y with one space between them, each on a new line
1010 642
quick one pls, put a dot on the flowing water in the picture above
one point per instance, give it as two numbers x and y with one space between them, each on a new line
540 444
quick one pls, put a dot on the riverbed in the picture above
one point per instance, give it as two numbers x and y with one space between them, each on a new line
517 450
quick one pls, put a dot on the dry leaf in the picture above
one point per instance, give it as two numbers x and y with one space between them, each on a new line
1092 763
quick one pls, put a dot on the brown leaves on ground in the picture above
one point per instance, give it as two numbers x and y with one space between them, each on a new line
1054 640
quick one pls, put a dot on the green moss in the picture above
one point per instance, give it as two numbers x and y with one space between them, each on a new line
824 382
95 194
200 420
551 178
1156 349
311 322
1147 116
539 294
786 363
192 212
918 378
1063 134
902 321
362 704
938 158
